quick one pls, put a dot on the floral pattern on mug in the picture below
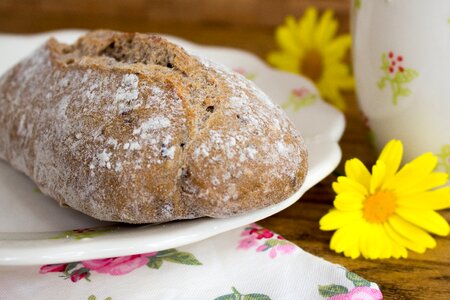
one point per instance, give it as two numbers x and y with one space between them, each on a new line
299 98
265 241
444 158
119 265
361 290
396 75
245 73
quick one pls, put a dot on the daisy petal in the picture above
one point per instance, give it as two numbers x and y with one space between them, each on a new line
412 173
346 184
346 240
391 156
338 48
291 24
432 200
428 220
336 219
286 40
341 238
344 81
386 243
363 241
329 32
378 175
306 27
424 163
352 250
322 27
431 181
356 170
335 76
373 241
402 241
335 70
398 251
411 232
284 61
349 201
330 92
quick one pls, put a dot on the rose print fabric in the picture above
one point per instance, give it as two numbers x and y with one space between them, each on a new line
264 240
119 265
246 263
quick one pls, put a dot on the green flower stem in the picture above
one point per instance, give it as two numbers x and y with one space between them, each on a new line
394 92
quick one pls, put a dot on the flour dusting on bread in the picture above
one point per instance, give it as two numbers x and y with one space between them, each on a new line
130 127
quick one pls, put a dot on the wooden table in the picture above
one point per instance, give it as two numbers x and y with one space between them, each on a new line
418 277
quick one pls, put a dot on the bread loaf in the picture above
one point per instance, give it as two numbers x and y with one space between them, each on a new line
129 127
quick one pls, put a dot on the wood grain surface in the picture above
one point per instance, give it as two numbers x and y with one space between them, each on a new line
237 12
249 25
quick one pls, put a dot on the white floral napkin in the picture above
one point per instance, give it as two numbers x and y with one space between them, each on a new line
249 263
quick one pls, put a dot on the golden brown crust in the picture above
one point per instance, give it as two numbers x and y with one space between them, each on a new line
129 127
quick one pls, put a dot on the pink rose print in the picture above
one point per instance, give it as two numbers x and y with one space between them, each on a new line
262 233
246 232
264 240
262 247
362 290
52 268
79 274
360 293
245 73
300 92
284 249
299 98
119 265
247 243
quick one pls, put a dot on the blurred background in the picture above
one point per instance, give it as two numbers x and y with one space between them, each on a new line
247 24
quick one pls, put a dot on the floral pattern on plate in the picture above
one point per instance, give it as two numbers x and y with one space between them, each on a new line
83 233
299 98
247 74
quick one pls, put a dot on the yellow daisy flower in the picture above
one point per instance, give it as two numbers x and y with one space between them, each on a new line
381 215
310 47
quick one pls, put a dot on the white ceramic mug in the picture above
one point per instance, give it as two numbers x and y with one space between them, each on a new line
401 56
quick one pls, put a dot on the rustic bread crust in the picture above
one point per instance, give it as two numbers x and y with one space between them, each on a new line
129 127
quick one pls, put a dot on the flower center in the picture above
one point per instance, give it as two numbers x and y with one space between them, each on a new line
311 65
379 206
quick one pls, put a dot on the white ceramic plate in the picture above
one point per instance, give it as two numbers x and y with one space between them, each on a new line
35 230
